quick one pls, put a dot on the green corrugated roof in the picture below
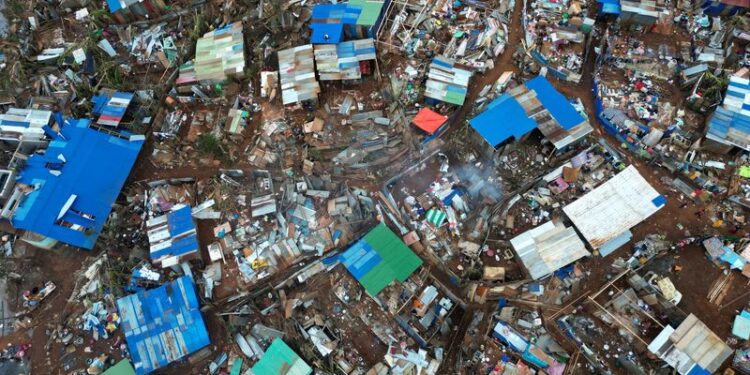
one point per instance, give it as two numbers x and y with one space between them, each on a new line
370 11
280 359
398 260
121 368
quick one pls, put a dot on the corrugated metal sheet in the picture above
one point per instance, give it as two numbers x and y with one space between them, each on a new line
380 258
535 104
111 108
614 207
341 61
446 81
219 54
547 248
297 74
172 237
280 359
162 325
29 122
96 167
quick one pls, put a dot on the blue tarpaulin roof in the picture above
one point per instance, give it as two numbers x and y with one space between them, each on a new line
89 180
503 119
555 102
162 325
610 6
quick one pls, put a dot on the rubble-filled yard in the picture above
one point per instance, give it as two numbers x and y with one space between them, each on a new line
374 187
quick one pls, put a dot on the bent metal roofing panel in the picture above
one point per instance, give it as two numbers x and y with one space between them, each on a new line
75 182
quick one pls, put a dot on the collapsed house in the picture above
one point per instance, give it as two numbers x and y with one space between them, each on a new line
50 199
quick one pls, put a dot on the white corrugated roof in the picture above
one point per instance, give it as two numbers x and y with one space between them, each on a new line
614 207
547 248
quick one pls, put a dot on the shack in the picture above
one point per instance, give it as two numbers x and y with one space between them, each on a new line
534 105
378 259
547 248
162 325
605 215
692 348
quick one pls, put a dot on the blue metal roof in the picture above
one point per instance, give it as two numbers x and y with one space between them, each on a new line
162 325
329 19
335 13
555 102
360 259
334 31
182 235
95 169
114 5
724 119
610 6
503 119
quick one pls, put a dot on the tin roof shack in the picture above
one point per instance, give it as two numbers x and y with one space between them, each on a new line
378 259
447 81
345 60
126 11
280 359
219 55
691 348
173 237
69 190
547 248
297 71
162 325
533 105
729 126
605 215
556 33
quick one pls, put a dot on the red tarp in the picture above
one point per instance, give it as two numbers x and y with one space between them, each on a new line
429 120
